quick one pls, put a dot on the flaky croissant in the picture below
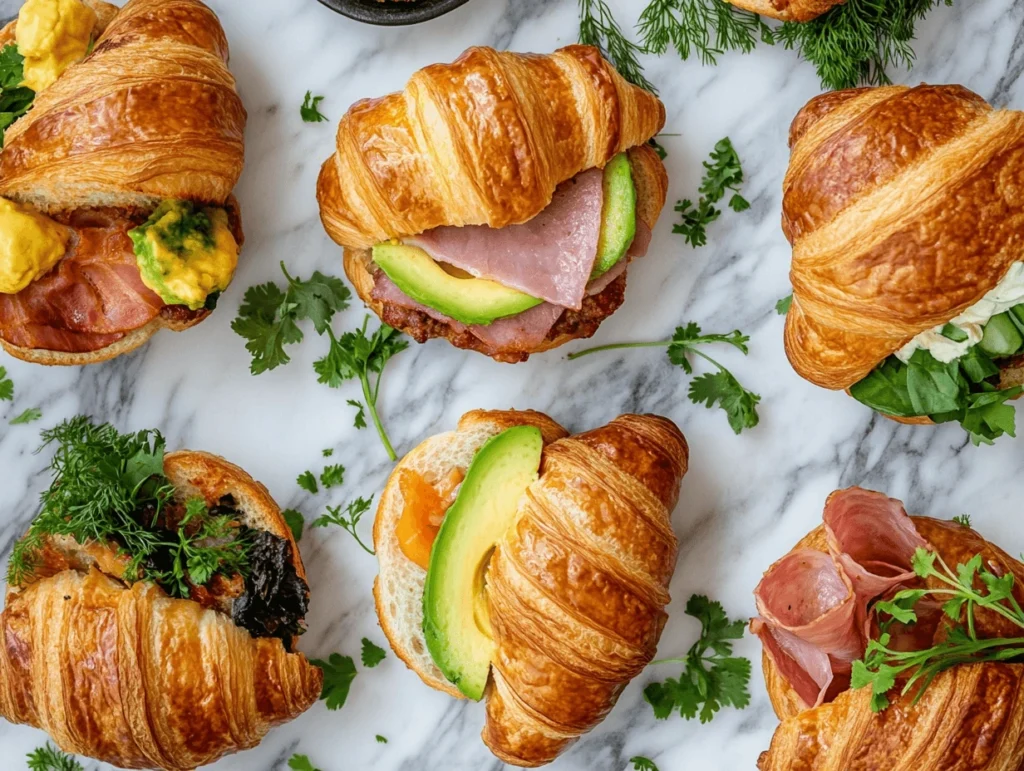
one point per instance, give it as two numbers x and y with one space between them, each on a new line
904 207
970 716
576 588
484 140
787 10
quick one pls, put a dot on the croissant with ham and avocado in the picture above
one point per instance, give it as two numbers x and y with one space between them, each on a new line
153 606
497 200
893 642
530 568
122 143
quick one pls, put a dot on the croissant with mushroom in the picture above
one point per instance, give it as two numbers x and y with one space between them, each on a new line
893 642
905 211
531 568
497 201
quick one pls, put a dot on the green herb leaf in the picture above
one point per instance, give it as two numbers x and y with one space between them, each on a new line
29 415
49 758
310 111
372 654
301 763
339 672
332 476
661 151
360 419
640 763
347 519
723 389
599 28
885 389
964 520
934 387
712 677
15 99
988 416
328 452
6 386
723 173
381 739
705 27
307 482
296 523
783 305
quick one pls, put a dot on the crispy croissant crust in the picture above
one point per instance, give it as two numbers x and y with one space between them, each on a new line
151 113
484 140
787 10
904 207
133 677
577 588
971 716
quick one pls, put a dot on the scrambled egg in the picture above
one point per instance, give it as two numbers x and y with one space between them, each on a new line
185 254
30 244
52 35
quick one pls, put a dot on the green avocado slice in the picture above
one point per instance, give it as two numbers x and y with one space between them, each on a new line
456 625
618 215
468 300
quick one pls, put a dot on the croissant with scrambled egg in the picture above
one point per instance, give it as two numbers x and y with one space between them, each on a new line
904 209
116 212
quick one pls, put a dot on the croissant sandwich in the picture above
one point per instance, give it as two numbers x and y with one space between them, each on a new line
153 606
893 642
497 200
904 211
122 141
531 568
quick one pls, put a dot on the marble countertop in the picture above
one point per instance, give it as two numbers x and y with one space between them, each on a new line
746 498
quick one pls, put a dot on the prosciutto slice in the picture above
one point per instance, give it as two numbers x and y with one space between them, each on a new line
90 299
551 256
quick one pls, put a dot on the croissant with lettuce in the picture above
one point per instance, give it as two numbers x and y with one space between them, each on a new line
153 606
893 642
122 142
904 209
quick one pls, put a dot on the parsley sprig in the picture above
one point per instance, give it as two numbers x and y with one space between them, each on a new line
640 763
339 672
301 763
970 587
347 518
49 758
719 388
372 654
712 677
310 109
6 386
723 173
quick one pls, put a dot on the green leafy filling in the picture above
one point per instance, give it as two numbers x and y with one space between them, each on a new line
15 99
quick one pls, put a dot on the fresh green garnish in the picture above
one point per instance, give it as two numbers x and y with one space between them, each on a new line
15 99
110 487
310 109
29 415
372 654
307 482
49 758
347 519
357 355
712 677
332 476
882 667
295 521
268 318
360 419
301 763
783 305
599 28
327 453
381 739
707 27
339 672
722 173
964 520
6 386
640 763
720 387
661 151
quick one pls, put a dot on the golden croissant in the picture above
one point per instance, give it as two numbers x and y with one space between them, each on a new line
563 599
116 216
817 610
497 200
122 657
787 10
903 210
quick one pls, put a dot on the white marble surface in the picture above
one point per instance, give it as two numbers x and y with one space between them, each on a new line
746 499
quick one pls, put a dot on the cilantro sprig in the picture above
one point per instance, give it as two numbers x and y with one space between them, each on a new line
719 388
371 654
723 173
49 758
347 519
310 109
339 672
640 763
712 677
970 587
6 386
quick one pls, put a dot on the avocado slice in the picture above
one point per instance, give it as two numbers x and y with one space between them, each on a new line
618 215
455 616
468 300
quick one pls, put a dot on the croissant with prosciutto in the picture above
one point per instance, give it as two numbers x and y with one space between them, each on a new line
843 612
497 201
116 213
903 206
153 607
530 568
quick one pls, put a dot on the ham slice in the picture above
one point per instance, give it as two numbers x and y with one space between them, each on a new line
90 299
550 256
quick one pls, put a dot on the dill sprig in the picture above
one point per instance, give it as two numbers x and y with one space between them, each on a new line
599 28
708 27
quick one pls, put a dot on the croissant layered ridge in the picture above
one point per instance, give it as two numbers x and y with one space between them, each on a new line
577 588
484 140
141 680
903 207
